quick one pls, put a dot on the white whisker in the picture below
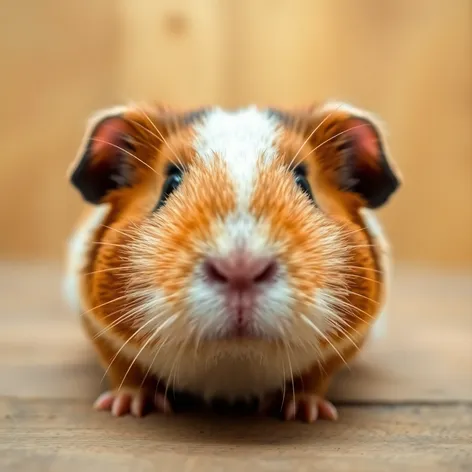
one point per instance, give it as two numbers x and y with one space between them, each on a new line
116 230
162 137
164 325
334 137
311 134
104 304
110 269
181 168
126 152
105 243
126 342
362 268
321 334
158 350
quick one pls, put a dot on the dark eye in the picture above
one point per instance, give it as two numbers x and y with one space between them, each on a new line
302 181
172 182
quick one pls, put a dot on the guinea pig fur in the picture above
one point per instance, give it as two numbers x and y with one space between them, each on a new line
229 254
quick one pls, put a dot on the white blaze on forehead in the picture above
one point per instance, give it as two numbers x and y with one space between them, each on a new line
242 139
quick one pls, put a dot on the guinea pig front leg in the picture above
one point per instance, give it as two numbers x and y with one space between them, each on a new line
131 390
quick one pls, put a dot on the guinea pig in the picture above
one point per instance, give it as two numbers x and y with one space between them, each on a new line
230 254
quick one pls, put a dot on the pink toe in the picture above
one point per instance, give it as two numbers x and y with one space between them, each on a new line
104 401
310 411
290 410
121 405
328 410
162 404
137 405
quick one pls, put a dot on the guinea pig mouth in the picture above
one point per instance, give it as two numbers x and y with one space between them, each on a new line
240 327
244 325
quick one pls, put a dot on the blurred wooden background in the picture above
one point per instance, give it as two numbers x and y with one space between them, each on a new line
407 60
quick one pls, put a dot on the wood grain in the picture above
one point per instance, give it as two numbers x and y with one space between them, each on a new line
407 60
405 405
56 435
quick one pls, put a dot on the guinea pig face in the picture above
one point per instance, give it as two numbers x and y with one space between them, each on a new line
242 226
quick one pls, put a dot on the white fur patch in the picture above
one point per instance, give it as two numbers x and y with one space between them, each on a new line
382 252
242 139
78 246
217 372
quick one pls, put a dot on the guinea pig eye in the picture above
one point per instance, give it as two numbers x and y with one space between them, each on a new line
172 182
302 181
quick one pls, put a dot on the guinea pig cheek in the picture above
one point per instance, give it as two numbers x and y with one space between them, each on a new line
161 266
314 254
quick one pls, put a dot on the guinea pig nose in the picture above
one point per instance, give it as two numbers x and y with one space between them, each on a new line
241 270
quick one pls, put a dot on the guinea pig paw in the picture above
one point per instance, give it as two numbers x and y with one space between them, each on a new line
130 401
162 404
308 407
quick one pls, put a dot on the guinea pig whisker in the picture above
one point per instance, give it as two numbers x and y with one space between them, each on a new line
183 348
205 326
177 359
144 128
126 306
292 380
362 245
124 233
161 136
365 297
358 230
346 292
147 323
334 316
158 350
150 338
336 320
163 325
105 243
178 163
159 139
337 301
312 133
110 269
284 385
334 137
362 268
352 276
347 313
126 152
119 320
315 328
128 315
339 327
103 304
318 350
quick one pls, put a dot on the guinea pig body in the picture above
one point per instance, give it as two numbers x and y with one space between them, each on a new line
229 254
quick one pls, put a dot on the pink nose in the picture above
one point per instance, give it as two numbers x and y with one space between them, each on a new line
241 271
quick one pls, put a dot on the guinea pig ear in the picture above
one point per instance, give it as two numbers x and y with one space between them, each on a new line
362 163
104 162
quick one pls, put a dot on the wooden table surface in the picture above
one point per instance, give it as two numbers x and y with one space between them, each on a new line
406 404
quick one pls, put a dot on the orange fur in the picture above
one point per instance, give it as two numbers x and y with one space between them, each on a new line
122 261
